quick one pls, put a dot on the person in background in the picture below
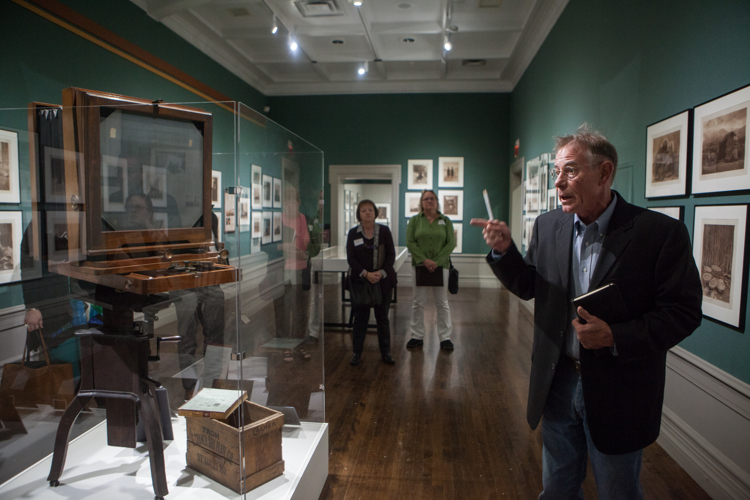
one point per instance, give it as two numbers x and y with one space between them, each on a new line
430 240
315 229
598 386
291 306
360 247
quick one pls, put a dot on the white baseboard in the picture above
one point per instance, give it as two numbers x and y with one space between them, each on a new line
706 425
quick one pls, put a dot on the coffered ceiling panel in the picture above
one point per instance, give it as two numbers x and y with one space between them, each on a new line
401 43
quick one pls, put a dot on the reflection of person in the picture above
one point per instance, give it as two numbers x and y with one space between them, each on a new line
430 240
204 305
316 284
598 386
290 307
139 212
360 247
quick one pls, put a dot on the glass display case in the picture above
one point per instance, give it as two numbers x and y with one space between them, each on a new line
165 248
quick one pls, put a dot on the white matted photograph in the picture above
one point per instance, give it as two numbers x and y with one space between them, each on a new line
218 229
411 204
419 174
114 184
255 245
256 225
266 236
216 189
244 209
9 186
10 246
384 211
277 235
267 191
155 185
719 251
451 172
674 212
161 220
458 231
720 145
667 156
452 203
257 187
230 214
277 201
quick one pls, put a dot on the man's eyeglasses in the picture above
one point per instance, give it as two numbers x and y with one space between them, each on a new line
569 171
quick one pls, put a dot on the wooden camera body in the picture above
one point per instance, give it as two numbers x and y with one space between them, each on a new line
137 195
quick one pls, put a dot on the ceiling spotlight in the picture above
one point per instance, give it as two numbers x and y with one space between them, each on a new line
447 45
357 3
363 69
292 44
275 28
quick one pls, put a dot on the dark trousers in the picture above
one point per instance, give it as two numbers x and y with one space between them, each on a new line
362 317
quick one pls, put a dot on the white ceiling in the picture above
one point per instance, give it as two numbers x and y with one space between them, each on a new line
401 40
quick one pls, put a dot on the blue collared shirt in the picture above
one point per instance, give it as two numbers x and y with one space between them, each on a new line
587 246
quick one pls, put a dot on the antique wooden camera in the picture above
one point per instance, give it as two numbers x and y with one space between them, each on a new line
137 188
136 209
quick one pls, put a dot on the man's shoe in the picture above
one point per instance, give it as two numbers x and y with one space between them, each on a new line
414 343
446 345
355 359
388 359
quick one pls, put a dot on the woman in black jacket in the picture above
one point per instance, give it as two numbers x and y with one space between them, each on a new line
360 247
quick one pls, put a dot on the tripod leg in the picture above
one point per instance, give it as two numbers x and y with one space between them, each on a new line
63 434
151 421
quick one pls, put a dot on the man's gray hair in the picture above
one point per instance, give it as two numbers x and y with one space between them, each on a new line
598 149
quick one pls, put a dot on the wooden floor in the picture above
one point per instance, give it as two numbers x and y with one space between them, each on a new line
443 425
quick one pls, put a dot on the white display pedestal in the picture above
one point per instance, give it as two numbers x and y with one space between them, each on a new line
94 470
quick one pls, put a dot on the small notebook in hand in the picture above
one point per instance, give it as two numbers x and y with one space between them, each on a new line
605 303
427 278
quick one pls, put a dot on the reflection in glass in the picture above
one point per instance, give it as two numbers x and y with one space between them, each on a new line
150 157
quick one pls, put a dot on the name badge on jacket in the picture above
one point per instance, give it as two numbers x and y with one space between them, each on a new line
441 222
359 242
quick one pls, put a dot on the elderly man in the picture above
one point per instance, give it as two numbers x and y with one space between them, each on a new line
599 386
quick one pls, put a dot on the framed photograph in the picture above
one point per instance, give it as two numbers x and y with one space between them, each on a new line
218 229
244 209
719 250
230 214
9 186
54 175
255 245
155 185
551 199
411 204
384 211
458 231
267 191
674 212
216 189
720 145
257 188
57 239
277 201
667 146
266 235
347 222
277 226
114 182
451 171
419 174
256 225
452 203
10 246
528 229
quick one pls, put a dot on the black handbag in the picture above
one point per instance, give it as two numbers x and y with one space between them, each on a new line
452 279
364 293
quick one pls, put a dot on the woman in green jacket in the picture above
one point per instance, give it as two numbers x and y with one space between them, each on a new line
430 240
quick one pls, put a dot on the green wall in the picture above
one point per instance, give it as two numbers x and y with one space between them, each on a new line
622 66
392 129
